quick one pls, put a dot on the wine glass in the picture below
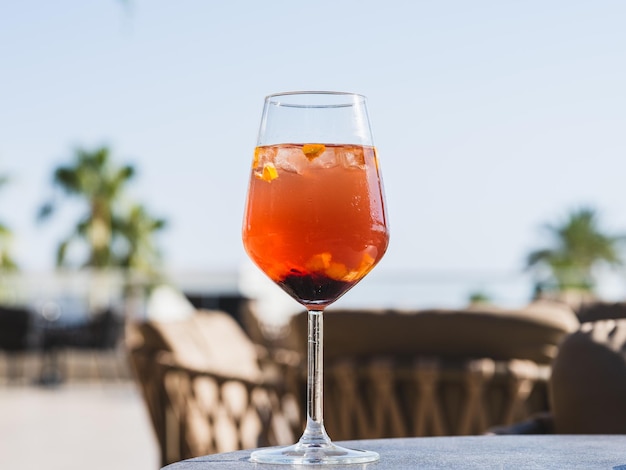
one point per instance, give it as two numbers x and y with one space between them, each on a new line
315 223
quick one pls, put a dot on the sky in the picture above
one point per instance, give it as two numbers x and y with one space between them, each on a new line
491 118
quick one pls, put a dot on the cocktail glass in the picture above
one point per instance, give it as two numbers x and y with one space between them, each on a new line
315 223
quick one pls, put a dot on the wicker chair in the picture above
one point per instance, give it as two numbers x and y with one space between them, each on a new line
387 374
587 388
208 389
435 372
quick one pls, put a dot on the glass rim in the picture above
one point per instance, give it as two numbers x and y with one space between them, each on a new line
273 99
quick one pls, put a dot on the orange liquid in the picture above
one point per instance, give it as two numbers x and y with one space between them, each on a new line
315 219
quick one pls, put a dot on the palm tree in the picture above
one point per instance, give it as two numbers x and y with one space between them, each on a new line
94 179
577 248
138 228
7 263
114 236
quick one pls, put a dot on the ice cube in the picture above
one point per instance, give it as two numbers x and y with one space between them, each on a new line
353 158
326 159
263 156
291 159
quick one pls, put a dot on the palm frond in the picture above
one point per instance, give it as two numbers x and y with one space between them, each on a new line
62 251
578 245
539 256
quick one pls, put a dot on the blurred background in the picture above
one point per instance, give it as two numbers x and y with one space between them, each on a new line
126 135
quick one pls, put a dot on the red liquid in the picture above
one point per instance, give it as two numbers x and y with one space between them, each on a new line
315 220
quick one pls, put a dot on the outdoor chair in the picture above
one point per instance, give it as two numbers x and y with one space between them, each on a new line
587 388
16 337
398 373
87 349
101 340
208 389
600 310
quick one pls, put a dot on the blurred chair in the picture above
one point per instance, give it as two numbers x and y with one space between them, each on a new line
207 388
396 373
599 310
98 339
16 337
588 383
102 339
587 388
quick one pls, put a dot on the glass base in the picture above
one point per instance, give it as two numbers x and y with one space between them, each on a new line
306 454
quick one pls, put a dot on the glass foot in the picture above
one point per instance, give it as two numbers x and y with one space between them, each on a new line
303 454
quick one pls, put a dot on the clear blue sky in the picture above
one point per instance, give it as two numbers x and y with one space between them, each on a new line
491 117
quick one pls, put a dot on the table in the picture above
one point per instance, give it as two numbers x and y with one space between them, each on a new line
468 452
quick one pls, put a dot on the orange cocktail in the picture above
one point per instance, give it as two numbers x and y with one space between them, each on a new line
315 219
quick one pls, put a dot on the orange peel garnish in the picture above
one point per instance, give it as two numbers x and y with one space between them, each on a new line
268 174
337 271
256 158
319 262
323 263
366 262
364 267
312 151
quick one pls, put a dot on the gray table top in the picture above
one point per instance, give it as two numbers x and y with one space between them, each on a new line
469 452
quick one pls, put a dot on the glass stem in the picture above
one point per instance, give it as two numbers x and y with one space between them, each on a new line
315 434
